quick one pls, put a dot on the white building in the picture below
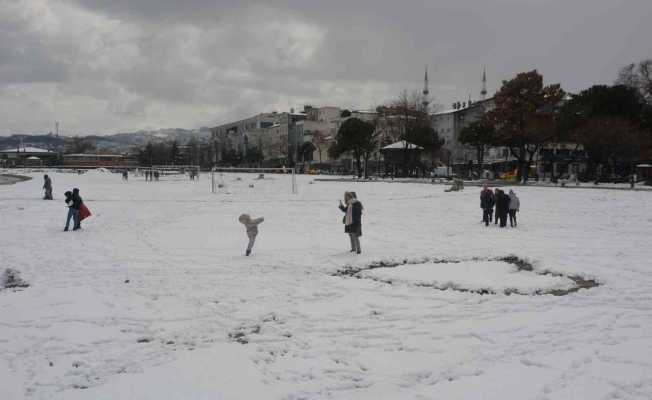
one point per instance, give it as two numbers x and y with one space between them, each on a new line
450 123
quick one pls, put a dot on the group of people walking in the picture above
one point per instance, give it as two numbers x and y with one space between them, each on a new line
506 205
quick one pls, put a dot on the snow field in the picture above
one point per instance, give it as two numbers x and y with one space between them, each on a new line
154 298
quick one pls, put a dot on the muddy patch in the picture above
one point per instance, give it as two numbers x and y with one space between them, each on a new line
448 277
11 279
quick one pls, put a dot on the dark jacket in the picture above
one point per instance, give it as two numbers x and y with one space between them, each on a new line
502 203
68 199
486 199
47 183
76 199
356 226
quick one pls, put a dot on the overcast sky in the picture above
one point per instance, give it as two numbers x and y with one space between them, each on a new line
106 66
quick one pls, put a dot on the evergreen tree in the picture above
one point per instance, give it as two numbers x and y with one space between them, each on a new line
356 137
479 134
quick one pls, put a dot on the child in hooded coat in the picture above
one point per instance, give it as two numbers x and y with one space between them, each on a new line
251 226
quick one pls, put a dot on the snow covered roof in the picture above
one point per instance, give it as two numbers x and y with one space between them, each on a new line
33 158
401 145
92 155
25 150
445 112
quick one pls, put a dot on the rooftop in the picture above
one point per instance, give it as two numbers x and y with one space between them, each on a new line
401 145
25 150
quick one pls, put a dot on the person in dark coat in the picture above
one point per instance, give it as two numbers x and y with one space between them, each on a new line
76 205
352 209
71 211
486 203
47 186
496 193
502 207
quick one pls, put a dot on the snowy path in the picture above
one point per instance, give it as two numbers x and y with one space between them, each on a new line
153 298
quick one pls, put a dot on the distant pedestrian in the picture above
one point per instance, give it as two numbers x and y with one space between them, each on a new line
514 207
71 211
156 174
486 203
352 209
125 175
251 225
47 186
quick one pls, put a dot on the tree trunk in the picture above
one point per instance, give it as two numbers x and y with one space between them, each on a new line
480 156
357 160
529 162
520 157
405 160
366 165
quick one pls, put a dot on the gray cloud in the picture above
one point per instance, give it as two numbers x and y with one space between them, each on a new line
105 66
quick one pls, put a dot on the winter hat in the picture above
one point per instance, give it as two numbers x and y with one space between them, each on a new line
244 218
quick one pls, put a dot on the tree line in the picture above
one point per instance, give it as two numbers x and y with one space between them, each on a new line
608 124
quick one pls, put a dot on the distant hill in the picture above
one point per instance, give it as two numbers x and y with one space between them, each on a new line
119 142
49 142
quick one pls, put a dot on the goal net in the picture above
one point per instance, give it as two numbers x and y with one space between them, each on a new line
226 180
169 172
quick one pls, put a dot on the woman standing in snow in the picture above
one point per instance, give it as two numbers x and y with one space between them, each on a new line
514 207
352 210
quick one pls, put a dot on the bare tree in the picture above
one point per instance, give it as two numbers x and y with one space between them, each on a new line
638 76
407 119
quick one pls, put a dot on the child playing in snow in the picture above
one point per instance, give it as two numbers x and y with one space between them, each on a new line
252 229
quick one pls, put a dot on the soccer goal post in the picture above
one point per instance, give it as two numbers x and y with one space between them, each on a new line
222 178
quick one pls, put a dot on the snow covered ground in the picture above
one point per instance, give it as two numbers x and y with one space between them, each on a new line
153 298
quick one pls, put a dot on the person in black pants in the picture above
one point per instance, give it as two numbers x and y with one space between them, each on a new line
76 206
487 204
502 207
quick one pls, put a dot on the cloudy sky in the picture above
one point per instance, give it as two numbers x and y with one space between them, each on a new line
105 66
